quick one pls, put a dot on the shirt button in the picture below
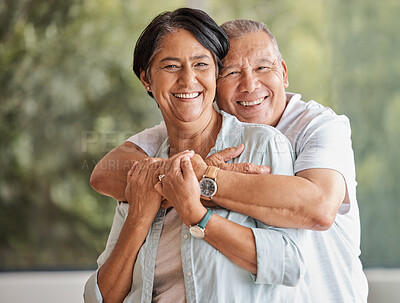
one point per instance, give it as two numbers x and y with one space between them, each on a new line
188 273
185 236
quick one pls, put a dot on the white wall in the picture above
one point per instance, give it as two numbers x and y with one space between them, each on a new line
43 287
384 285
67 287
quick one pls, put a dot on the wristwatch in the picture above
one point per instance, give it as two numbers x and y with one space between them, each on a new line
197 231
208 185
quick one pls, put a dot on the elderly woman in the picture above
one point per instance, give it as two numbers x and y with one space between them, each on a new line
189 253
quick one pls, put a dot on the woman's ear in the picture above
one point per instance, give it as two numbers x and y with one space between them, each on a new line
145 81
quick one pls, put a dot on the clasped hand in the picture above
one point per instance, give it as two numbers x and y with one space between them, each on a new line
179 187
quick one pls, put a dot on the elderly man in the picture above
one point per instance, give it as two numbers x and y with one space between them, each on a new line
322 194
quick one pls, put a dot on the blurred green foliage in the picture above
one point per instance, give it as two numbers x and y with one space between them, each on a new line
68 95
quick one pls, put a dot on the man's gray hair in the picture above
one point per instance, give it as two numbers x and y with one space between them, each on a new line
237 28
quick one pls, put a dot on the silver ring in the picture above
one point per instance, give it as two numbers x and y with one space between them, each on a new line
160 177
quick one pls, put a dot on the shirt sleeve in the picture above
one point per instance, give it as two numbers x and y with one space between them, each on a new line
328 144
281 155
150 139
92 291
279 256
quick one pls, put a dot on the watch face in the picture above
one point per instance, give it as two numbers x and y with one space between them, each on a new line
196 231
208 187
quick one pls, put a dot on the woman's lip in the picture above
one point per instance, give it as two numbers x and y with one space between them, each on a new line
186 95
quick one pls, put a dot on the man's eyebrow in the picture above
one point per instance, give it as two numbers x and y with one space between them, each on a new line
230 66
266 60
263 60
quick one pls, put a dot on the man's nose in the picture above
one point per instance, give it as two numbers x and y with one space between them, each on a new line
187 77
248 83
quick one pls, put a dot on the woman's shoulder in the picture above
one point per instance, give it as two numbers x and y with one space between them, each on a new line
231 125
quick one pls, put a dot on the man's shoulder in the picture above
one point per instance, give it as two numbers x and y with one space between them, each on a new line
150 139
311 107
299 112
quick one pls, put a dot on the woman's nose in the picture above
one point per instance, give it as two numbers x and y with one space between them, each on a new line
187 77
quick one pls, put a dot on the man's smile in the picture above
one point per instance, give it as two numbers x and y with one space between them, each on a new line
252 103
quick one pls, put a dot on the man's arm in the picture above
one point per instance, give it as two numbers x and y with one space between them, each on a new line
308 200
109 175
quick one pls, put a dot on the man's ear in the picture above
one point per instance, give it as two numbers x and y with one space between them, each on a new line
285 74
145 81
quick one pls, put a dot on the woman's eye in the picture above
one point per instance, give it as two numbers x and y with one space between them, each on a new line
171 67
201 65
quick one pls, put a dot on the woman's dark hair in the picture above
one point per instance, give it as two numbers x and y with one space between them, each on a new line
198 22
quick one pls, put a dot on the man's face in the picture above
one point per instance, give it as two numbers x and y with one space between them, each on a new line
252 83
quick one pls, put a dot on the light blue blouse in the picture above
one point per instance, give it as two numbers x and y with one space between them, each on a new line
209 275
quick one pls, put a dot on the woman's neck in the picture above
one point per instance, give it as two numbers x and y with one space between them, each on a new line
199 136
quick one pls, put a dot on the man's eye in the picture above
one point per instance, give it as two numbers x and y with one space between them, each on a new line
263 68
232 73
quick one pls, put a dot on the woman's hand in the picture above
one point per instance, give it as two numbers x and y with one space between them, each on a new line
181 188
144 200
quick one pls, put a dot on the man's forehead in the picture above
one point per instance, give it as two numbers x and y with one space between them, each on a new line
254 53
257 44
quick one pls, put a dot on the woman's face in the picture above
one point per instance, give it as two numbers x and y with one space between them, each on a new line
182 77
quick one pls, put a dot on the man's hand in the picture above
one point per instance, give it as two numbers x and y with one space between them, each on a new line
219 159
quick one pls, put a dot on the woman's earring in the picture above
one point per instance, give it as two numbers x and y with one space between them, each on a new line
148 87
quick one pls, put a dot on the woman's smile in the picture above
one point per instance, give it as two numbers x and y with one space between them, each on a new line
187 96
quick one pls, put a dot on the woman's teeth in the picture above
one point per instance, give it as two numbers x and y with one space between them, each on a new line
187 96
250 103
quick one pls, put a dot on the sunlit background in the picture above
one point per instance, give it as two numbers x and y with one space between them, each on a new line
68 95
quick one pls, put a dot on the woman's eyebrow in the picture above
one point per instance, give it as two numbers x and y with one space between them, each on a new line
179 59
170 59
200 57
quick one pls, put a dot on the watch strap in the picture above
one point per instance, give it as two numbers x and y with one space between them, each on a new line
211 172
203 222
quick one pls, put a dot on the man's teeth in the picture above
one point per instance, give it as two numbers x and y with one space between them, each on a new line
187 96
249 103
